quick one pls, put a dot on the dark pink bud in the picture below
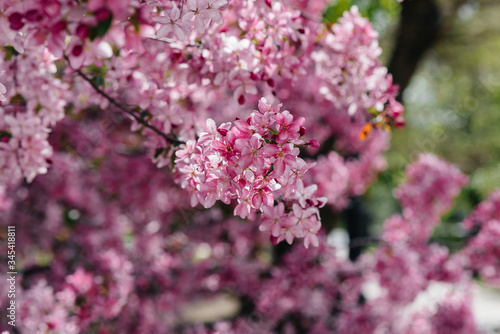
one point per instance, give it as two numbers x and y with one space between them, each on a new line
33 15
269 3
102 14
254 76
320 203
313 143
399 122
301 30
77 50
223 132
308 201
174 56
241 100
274 240
302 131
270 82
4 139
82 31
58 27
16 21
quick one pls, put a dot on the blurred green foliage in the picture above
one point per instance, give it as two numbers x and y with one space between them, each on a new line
379 12
452 108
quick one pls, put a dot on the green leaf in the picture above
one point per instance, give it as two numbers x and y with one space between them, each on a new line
9 52
172 160
145 115
102 28
270 170
134 19
158 151
38 108
336 10
18 99
4 134
274 131
99 81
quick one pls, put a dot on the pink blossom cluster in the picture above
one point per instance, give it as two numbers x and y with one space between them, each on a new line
428 192
193 13
354 77
35 103
24 150
332 177
94 90
29 24
408 260
171 76
151 270
84 299
256 162
483 248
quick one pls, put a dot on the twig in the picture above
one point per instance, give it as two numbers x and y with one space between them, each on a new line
171 41
169 139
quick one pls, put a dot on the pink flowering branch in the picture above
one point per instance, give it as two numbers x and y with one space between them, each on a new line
256 163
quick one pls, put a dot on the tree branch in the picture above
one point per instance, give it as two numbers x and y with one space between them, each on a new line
419 28
169 139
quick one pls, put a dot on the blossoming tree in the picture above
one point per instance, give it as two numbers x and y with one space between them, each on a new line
153 153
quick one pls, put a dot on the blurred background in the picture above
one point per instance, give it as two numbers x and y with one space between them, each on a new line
444 54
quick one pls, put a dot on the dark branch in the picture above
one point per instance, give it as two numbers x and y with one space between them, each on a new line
419 28
169 139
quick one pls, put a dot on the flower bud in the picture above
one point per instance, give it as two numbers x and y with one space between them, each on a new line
33 15
102 14
58 27
399 122
16 21
241 100
82 31
77 50
313 143
223 132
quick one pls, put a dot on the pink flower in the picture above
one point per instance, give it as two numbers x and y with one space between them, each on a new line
300 215
213 10
225 146
244 205
303 194
262 196
273 218
250 154
289 230
282 155
172 23
312 226
288 128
